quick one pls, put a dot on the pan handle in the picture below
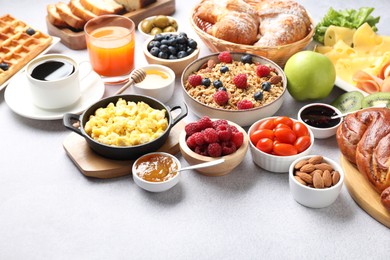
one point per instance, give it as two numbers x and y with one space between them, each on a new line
68 121
183 113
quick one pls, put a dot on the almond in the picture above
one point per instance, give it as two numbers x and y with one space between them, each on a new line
300 180
318 182
211 64
307 168
275 79
316 159
300 164
305 177
324 166
335 177
327 178
313 172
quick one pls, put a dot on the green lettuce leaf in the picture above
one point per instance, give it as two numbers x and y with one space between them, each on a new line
349 18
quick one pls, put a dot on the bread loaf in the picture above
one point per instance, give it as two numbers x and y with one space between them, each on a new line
131 5
78 9
54 17
100 7
364 139
68 17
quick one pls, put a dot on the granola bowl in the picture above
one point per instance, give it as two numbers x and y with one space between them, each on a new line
262 96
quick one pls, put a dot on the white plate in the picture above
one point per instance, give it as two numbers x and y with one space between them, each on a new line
347 86
53 42
18 97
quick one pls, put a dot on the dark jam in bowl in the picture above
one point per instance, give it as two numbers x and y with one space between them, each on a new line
319 116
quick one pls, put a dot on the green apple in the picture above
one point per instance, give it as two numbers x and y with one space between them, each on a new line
310 75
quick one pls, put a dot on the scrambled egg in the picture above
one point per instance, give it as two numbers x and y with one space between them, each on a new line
126 124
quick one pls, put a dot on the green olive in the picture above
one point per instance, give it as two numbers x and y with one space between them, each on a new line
169 29
155 31
173 23
161 21
147 26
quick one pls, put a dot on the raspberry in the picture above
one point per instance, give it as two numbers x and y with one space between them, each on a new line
228 148
192 128
224 132
199 138
210 135
195 80
240 81
191 142
234 129
214 150
225 57
204 122
218 122
201 149
237 139
221 97
244 104
262 70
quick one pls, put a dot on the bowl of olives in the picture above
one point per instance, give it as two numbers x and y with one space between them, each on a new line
174 50
153 25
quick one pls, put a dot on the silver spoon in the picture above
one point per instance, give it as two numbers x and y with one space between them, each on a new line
200 165
345 114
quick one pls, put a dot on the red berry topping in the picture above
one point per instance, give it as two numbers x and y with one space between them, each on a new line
225 57
262 70
210 135
228 148
195 80
218 122
244 104
214 150
192 128
205 122
221 97
240 81
224 132
199 138
237 138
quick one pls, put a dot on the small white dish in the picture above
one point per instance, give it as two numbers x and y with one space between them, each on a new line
18 97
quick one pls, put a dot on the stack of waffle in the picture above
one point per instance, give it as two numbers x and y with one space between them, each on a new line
19 44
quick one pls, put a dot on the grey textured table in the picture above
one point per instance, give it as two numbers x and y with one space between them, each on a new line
49 210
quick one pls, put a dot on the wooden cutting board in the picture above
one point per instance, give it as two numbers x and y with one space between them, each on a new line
362 192
93 165
76 40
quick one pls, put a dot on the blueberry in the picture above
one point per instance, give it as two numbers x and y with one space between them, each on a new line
158 37
4 66
192 43
172 57
164 48
189 50
181 54
217 84
266 86
172 41
183 34
224 69
163 55
222 89
206 82
153 44
182 39
30 31
155 51
181 47
247 58
172 50
164 42
258 95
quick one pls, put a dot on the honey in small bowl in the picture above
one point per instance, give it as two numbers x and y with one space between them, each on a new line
156 167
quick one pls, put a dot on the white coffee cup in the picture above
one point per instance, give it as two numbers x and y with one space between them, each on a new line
56 90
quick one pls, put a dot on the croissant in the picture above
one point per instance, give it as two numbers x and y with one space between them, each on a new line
364 139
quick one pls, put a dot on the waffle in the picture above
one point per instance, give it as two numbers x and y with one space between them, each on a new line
19 44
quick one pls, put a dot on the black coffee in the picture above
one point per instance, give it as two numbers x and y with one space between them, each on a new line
52 70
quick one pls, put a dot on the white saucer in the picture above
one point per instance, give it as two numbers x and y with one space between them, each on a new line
18 97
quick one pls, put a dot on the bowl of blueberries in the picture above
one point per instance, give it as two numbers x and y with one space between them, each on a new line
174 50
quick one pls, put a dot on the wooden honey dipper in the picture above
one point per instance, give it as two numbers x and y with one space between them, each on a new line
136 77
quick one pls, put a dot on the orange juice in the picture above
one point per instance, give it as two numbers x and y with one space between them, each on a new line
111 50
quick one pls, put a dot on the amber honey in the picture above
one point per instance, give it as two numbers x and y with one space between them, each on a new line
156 167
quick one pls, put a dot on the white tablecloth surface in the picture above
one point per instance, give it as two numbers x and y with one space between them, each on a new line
49 210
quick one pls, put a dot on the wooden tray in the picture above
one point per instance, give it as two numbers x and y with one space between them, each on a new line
76 40
364 195
93 165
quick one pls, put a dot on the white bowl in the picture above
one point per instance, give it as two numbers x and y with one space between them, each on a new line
240 117
156 186
312 197
274 163
147 35
321 133
162 90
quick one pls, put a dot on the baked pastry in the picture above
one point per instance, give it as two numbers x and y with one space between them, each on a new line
364 139
131 5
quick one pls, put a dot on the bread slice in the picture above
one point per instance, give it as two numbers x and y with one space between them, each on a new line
54 17
70 18
100 7
132 5
79 10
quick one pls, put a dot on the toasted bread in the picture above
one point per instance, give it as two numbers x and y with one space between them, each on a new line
100 7
70 18
132 5
54 16
78 9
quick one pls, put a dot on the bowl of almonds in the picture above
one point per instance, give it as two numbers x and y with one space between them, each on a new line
315 181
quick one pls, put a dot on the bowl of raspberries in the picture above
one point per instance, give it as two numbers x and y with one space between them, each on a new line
209 139
238 87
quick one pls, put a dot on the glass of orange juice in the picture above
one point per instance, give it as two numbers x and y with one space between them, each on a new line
110 42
